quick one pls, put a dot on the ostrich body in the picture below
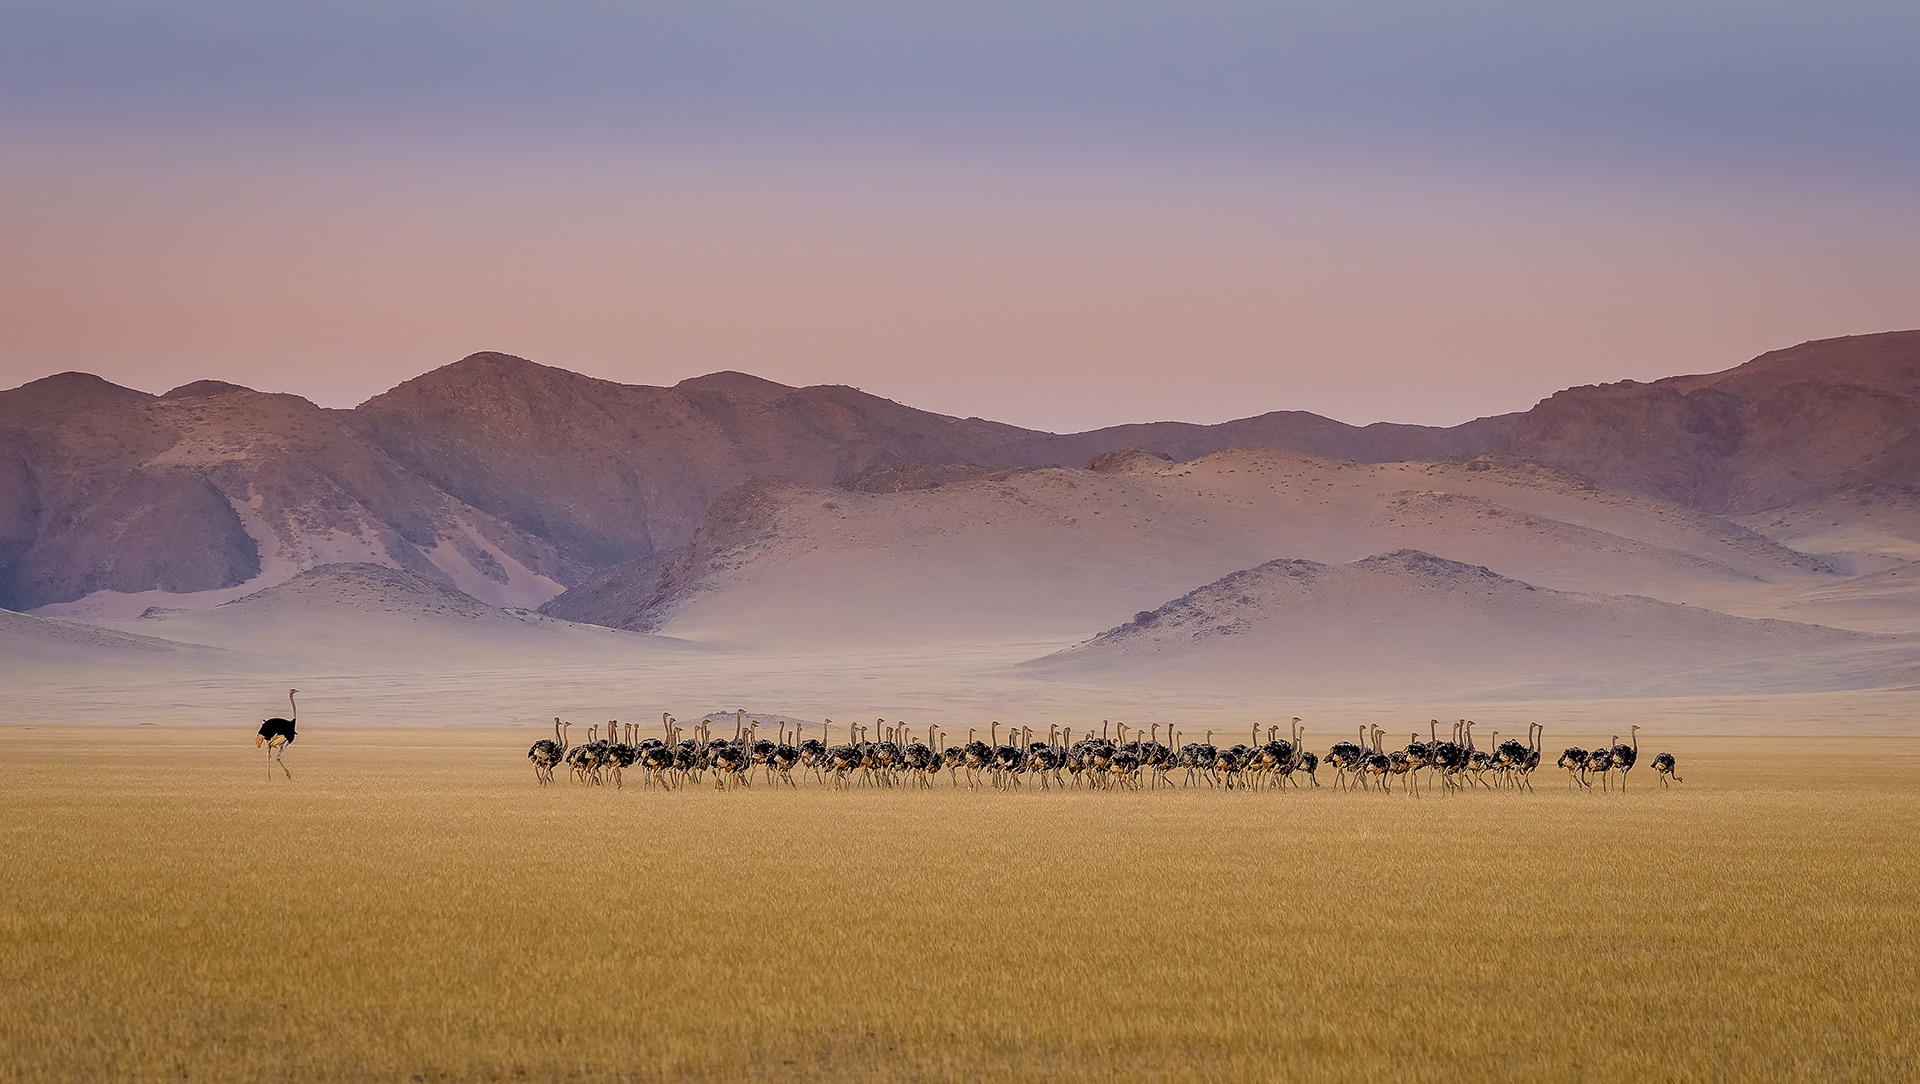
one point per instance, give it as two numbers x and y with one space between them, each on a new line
1624 756
1309 764
1449 757
1574 760
1345 757
1663 766
620 754
276 735
1509 756
1536 737
1600 761
1418 755
548 752
1375 763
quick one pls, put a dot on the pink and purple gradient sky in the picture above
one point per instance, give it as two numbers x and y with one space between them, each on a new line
1063 215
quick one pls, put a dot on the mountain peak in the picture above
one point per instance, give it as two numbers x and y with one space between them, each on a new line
493 365
204 389
1424 564
737 385
73 390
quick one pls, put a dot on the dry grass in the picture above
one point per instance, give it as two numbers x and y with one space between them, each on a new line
411 907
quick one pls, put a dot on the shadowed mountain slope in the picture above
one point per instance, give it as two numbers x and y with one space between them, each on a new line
614 472
1790 426
106 489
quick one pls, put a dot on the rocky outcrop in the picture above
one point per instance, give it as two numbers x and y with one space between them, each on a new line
1789 426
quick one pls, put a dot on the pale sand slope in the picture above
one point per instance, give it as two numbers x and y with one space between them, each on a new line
358 615
1409 622
1048 557
27 640
376 644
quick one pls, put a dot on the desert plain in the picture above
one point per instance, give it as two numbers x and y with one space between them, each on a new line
411 907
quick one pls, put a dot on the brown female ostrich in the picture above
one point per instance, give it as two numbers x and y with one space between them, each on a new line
1574 760
1600 762
276 735
1663 766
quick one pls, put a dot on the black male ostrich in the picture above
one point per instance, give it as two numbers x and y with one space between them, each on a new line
1663 766
1345 757
1310 764
548 752
1625 755
276 735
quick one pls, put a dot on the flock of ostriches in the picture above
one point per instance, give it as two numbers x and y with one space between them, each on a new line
1129 759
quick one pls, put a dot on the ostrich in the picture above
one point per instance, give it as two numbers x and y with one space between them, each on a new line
1623 756
1449 757
587 760
1345 757
1663 765
1510 755
1399 762
620 753
1478 760
276 735
658 761
1302 761
1601 760
548 752
1310 764
1375 762
1574 760
1419 755
1536 738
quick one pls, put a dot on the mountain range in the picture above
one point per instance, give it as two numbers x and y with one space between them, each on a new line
497 523
513 481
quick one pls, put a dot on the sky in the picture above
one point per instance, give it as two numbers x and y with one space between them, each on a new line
1058 214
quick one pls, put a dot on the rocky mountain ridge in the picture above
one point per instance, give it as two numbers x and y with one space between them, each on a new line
512 481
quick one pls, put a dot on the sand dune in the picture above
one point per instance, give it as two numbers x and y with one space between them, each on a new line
1408 620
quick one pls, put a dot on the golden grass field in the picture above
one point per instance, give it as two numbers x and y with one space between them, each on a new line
411 907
